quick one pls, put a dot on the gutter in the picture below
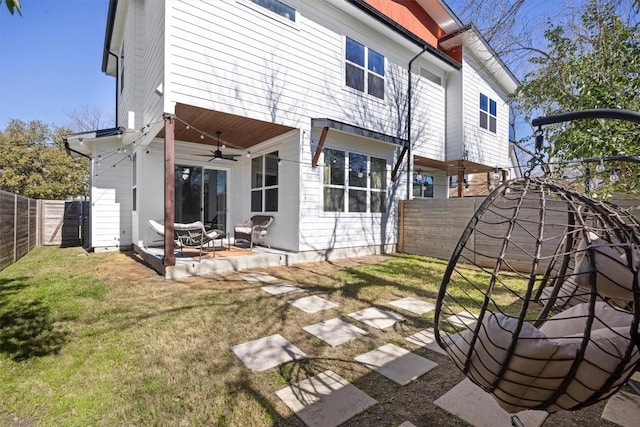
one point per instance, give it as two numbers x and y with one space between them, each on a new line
379 16
111 19
70 150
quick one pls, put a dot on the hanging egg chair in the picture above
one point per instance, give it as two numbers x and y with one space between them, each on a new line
539 304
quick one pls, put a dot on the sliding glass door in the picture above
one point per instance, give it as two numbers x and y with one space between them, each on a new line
201 195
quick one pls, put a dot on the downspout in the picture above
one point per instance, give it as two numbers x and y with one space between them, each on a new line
117 82
409 96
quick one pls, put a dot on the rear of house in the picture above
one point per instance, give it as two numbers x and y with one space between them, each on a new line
302 110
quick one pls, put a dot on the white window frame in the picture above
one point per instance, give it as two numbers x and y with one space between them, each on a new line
264 188
487 114
347 188
365 69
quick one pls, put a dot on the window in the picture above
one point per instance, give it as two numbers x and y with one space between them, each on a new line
134 161
422 185
354 182
430 76
278 7
364 69
264 183
488 113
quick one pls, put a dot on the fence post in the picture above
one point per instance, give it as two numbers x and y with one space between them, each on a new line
401 227
15 227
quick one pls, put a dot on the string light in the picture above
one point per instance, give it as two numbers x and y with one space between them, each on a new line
600 168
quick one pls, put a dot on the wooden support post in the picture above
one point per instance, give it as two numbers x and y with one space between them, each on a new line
316 155
460 178
169 190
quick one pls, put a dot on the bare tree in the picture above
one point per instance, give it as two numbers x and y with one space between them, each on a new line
88 119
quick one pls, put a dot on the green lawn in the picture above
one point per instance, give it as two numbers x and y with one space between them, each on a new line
102 340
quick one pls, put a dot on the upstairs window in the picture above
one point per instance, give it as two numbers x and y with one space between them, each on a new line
488 113
354 182
264 183
278 7
364 69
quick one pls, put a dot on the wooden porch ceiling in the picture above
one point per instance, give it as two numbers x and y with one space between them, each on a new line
451 166
237 131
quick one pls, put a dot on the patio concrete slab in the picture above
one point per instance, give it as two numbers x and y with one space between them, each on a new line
281 289
464 318
479 408
325 400
396 363
426 339
623 409
268 352
335 331
313 304
258 278
413 305
376 317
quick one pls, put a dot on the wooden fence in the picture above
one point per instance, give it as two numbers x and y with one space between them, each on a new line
432 227
27 223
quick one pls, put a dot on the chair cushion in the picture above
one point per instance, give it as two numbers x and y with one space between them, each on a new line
243 230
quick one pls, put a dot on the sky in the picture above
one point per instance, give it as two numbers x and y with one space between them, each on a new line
51 60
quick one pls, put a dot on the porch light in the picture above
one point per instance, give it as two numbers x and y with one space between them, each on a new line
248 153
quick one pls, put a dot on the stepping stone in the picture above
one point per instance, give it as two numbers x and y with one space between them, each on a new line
267 352
407 424
477 407
325 400
396 363
426 339
280 289
413 305
258 277
464 318
335 331
623 409
376 317
313 304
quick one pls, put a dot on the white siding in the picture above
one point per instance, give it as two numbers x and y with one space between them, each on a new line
111 198
234 56
324 230
454 117
152 43
483 146
428 116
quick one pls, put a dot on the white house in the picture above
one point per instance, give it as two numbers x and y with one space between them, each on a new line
308 103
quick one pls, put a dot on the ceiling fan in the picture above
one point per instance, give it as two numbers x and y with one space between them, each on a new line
217 154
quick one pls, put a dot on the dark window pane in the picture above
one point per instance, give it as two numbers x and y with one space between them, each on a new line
333 199
483 120
376 86
256 201
376 62
271 169
357 170
333 167
378 173
355 77
492 124
357 200
484 102
417 192
355 52
278 7
427 187
135 192
256 172
492 107
271 200
378 201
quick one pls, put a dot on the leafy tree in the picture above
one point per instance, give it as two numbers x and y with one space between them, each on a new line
590 63
34 163
13 5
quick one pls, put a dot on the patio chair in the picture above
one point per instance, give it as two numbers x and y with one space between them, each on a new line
254 230
191 235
